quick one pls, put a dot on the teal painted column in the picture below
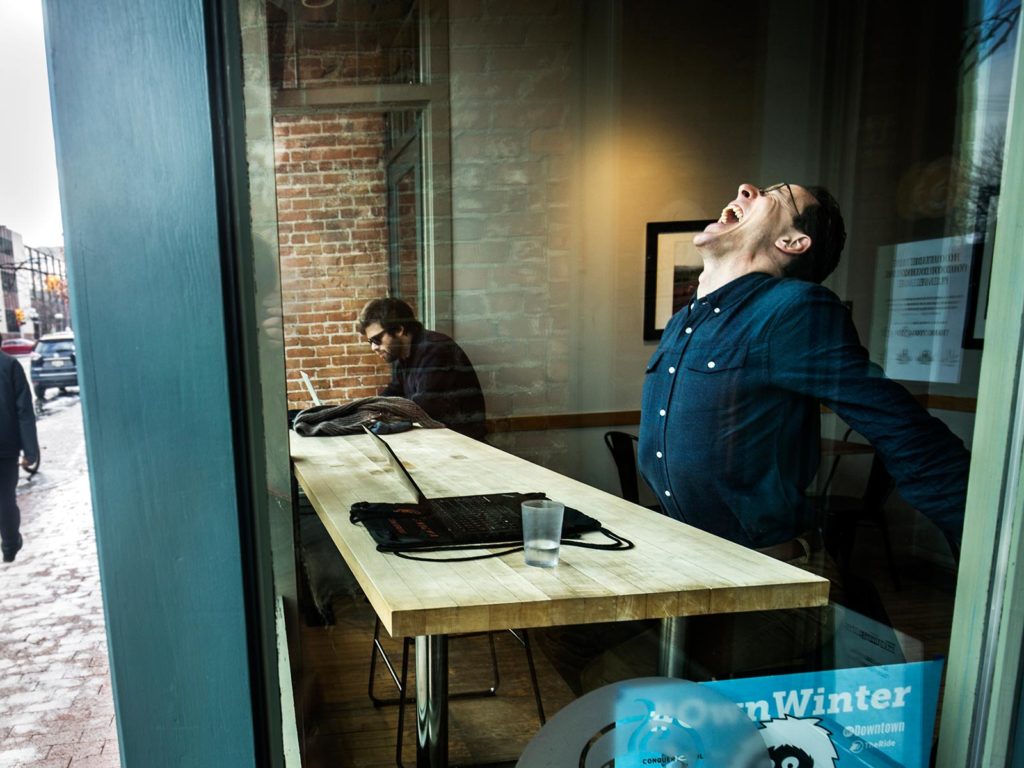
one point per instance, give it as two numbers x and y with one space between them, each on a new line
135 157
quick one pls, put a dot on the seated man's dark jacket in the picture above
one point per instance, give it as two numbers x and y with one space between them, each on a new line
439 378
730 425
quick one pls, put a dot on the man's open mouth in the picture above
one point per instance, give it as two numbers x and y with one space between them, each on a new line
731 214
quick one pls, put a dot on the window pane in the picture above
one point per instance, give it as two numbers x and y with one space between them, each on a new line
546 204
323 43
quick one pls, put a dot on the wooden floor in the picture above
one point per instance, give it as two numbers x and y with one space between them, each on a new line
342 728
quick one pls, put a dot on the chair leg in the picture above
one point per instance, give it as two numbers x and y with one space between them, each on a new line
373 664
848 529
492 689
377 648
887 543
495 679
524 639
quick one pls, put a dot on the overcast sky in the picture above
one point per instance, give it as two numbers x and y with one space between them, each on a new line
29 202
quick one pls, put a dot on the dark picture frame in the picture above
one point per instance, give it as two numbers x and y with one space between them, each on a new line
672 267
981 267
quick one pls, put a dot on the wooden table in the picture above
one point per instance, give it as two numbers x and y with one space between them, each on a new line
675 570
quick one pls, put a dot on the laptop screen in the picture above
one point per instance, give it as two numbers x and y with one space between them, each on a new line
403 474
309 387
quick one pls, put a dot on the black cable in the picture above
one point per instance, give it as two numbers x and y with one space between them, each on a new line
620 544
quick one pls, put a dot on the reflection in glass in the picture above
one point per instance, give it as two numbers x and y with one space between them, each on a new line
323 43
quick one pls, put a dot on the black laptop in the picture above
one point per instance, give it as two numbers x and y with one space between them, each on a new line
483 519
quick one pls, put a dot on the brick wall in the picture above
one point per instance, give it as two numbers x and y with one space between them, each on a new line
331 199
512 118
332 194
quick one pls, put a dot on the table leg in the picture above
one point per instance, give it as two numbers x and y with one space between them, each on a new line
671 659
431 701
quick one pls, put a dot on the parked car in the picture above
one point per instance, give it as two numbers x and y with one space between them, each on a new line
54 363
17 346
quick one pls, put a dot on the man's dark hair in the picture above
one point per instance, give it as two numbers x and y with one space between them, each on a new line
823 222
391 314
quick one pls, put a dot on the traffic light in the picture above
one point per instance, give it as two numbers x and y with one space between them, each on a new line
19 316
52 283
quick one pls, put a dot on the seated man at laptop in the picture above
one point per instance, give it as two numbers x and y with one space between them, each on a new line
428 367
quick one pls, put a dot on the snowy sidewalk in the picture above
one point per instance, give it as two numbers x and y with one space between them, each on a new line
56 709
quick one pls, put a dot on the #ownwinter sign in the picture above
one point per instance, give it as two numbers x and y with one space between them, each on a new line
870 716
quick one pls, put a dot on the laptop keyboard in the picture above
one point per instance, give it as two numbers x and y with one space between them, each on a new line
470 519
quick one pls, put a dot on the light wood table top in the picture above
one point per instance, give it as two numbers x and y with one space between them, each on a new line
675 570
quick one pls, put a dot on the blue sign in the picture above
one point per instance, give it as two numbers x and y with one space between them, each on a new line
844 718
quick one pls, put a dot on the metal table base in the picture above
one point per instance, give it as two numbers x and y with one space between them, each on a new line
432 688
431 701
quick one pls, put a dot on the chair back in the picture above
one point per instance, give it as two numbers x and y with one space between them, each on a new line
843 514
623 448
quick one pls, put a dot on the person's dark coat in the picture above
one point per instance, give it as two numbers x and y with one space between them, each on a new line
438 376
17 419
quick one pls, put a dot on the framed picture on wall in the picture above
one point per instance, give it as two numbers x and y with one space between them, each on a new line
981 267
672 268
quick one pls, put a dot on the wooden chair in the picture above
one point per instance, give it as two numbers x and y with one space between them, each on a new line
623 448
843 515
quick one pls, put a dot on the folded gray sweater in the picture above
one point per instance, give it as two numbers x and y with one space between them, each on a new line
348 419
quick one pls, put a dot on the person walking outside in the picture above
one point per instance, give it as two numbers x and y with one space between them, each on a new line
18 439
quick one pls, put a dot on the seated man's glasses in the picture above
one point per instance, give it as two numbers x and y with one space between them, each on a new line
377 339
788 189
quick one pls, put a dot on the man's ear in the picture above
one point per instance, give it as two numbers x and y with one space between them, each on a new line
794 243
399 331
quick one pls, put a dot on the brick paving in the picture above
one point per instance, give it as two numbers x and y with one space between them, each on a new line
56 707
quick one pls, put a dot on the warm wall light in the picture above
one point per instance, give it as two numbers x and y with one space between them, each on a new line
317 3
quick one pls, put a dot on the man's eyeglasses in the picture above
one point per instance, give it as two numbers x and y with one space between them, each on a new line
376 340
788 189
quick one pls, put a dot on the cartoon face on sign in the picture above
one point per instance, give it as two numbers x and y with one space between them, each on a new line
799 743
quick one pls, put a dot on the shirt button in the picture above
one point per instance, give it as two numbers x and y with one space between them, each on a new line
689 330
659 454
671 369
717 310
662 412
711 363
668 493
